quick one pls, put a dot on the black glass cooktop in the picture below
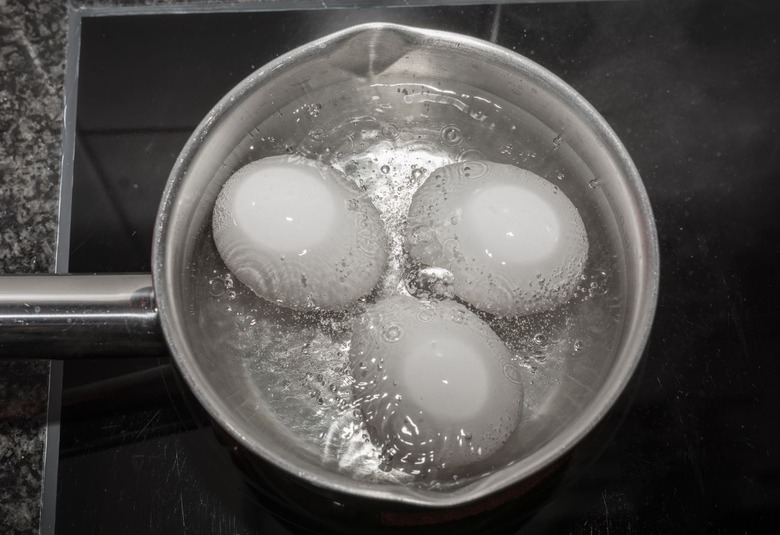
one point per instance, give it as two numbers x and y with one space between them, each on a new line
693 90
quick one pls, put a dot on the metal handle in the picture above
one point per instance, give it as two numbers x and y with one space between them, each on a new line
78 316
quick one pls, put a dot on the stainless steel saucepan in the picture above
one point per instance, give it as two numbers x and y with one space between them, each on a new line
354 99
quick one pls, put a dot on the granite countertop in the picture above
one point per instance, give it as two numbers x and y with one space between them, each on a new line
32 60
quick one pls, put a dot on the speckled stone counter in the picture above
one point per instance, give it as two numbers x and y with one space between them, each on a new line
32 54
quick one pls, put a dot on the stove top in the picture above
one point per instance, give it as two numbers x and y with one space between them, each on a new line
692 90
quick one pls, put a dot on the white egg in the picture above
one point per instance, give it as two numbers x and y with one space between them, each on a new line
513 241
299 233
436 386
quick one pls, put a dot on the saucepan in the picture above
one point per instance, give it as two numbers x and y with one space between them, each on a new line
387 105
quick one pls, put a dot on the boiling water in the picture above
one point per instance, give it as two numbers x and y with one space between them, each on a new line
299 360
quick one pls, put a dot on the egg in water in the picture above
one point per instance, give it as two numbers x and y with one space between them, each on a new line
437 387
299 233
513 241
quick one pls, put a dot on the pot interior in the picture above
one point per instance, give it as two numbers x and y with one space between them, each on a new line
387 105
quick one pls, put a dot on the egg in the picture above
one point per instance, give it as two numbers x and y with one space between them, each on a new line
437 388
299 233
513 241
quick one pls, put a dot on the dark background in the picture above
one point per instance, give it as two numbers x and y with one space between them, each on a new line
693 90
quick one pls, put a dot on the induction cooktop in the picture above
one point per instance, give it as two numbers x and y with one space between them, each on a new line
693 92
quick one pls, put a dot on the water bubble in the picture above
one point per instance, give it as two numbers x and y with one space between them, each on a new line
593 184
557 141
390 131
385 169
217 287
474 170
418 172
392 333
426 315
421 234
458 316
578 345
540 339
451 135
312 110
599 283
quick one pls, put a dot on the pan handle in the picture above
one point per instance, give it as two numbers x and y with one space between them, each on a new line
78 316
